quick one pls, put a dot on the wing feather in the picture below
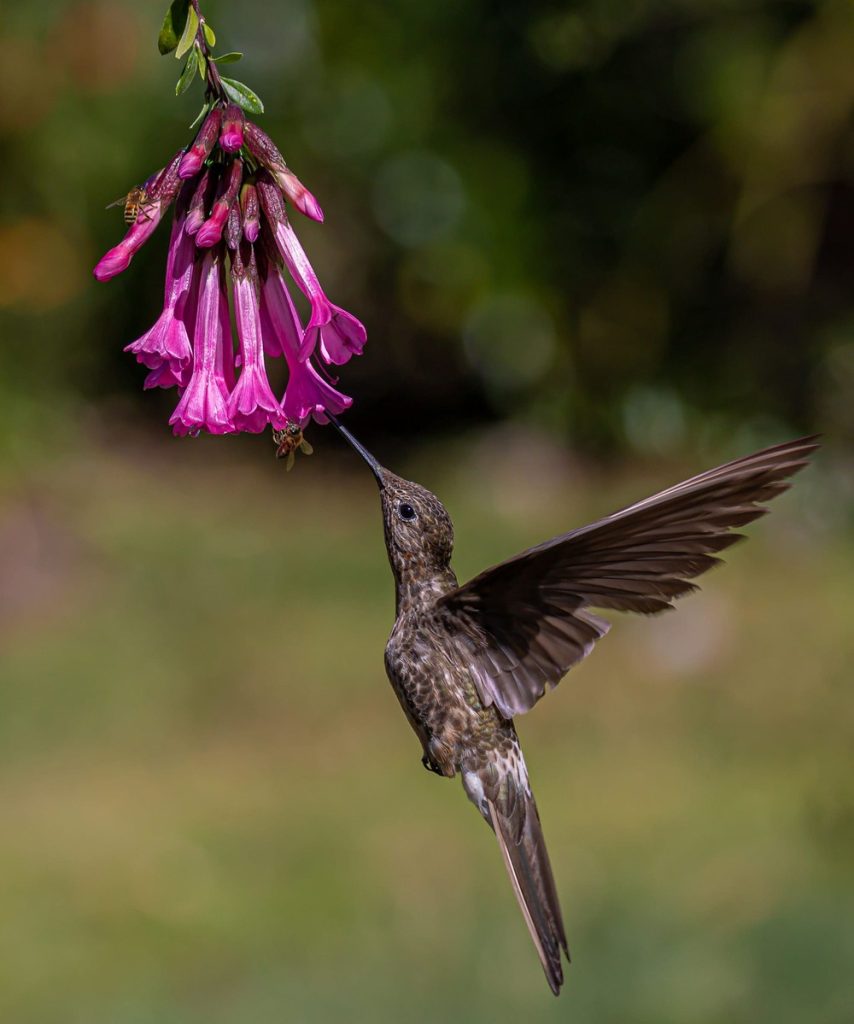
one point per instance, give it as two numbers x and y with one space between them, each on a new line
524 623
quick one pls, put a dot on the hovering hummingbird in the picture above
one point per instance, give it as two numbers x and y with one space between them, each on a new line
463 660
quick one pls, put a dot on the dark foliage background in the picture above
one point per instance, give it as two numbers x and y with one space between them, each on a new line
627 222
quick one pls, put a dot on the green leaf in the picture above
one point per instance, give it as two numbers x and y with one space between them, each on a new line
203 65
242 95
210 35
173 26
228 58
189 72
200 116
189 35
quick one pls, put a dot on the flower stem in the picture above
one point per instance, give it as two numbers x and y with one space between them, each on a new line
214 82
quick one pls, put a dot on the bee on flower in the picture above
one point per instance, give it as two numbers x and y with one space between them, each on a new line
289 441
133 203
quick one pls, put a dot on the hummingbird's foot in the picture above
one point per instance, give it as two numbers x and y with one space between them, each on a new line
431 765
439 759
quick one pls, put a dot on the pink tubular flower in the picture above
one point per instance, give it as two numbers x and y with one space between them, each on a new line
203 405
251 405
262 147
307 392
231 136
280 324
211 231
191 162
225 331
160 198
336 333
168 341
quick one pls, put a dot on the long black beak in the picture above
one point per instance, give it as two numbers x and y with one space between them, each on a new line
376 468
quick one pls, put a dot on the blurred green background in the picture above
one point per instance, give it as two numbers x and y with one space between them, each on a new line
598 246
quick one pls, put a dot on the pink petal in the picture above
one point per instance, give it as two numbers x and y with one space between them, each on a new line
251 405
339 333
281 329
203 406
298 263
167 376
340 338
308 394
227 338
168 339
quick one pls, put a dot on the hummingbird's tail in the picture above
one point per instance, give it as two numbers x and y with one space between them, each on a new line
509 808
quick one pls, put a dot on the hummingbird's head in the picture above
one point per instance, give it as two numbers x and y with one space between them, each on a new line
419 534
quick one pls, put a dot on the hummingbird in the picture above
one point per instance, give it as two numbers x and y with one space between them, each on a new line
465 660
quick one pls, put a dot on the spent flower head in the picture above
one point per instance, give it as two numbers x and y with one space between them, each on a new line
232 246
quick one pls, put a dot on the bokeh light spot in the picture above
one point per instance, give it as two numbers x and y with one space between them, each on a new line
41 267
28 81
564 41
654 420
438 283
775 246
98 45
418 197
624 326
510 339
351 118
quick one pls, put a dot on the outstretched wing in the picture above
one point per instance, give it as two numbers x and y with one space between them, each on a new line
524 623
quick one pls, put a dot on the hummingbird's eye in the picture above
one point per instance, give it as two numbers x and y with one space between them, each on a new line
406 511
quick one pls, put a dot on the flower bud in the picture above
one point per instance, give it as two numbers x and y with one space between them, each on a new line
233 227
119 257
197 210
231 136
251 213
271 199
166 187
211 231
262 147
298 194
192 160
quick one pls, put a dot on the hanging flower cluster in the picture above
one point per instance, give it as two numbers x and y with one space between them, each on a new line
231 191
